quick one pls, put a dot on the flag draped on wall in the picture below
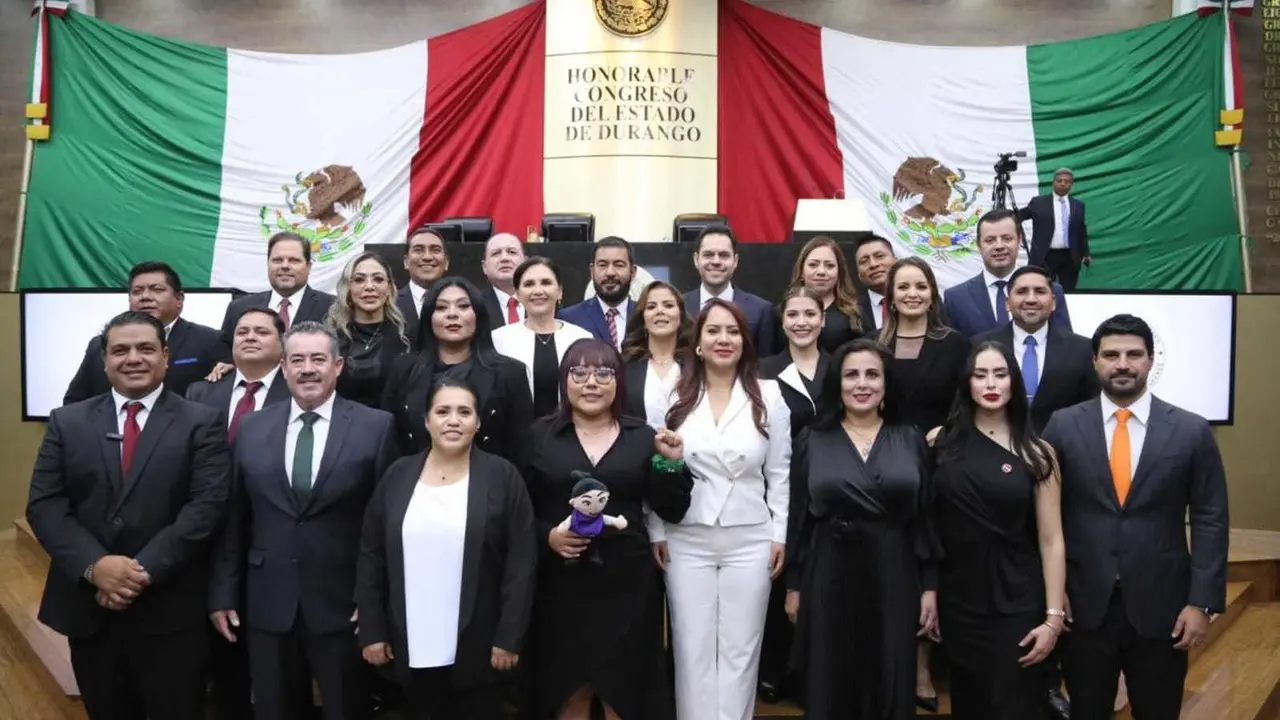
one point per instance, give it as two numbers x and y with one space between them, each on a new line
195 154
914 131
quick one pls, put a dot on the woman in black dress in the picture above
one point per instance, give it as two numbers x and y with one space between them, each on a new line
597 620
371 329
454 338
860 581
822 268
655 344
996 511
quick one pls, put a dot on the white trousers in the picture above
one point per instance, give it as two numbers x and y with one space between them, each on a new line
718 591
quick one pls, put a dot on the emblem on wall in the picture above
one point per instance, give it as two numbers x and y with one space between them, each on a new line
326 207
931 210
630 18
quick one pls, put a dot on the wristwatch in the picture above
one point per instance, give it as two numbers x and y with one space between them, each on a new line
1207 612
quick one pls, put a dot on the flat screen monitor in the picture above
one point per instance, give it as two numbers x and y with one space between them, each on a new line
56 327
1194 363
569 228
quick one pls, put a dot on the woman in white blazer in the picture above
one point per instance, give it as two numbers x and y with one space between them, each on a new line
540 340
723 556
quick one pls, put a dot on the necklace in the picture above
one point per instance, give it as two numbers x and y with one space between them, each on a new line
867 442
592 433
545 338
369 338
661 362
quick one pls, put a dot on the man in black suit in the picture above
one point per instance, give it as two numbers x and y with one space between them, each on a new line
1059 236
1136 472
288 269
605 315
154 289
981 303
1056 364
427 260
873 257
254 384
128 489
293 533
715 255
503 253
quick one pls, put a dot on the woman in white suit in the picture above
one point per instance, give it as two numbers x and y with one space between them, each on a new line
540 340
723 556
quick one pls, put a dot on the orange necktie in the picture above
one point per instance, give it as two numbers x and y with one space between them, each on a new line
1121 457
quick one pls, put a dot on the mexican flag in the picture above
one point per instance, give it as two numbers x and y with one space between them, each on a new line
914 131
196 155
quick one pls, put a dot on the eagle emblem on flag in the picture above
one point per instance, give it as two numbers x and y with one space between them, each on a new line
326 207
932 210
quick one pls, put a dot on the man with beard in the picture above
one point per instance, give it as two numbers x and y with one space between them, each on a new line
715 255
503 253
427 260
605 315
288 269
1138 476
980 303
154 289
873 258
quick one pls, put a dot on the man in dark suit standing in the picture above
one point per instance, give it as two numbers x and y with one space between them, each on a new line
872 258
1136 471
128 490
154 289
715 255
293 534
1059 236
254 384
605 315
981 303
288 269
1056 364
427 260
503 253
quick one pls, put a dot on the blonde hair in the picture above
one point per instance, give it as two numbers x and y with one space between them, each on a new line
342 312
846 293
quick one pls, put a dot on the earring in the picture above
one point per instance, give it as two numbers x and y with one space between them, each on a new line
698 351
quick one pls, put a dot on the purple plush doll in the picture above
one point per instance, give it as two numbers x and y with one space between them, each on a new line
590 497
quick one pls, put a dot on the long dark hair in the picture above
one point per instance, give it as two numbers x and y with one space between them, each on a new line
589 352
949 445
830 411
481 343
693 372
635 344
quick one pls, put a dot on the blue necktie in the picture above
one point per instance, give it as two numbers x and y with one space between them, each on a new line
1030 367
1002 303
1064 221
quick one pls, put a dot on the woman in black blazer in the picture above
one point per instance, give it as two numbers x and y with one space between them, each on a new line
655 344
448 558
454 339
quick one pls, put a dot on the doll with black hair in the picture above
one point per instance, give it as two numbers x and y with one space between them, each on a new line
588 499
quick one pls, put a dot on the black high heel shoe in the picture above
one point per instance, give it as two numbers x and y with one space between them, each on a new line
929 704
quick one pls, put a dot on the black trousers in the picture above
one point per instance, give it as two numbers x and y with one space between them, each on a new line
432 695
229 676
775 648
283 665
126 675
1063 268
1092 661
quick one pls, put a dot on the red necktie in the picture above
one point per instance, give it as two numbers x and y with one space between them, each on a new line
284 313
244 406
513 312
612 318
131 433
884 311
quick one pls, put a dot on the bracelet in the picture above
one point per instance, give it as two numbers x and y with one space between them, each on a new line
1056 631
1055 612
663 465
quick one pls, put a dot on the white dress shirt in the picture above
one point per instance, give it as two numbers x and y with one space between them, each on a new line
148 401
1057 242
1137 424
434 536
168 329
876 313
705 295
418 293
294 301
503 299
620 321
320 433
1020 347
238 391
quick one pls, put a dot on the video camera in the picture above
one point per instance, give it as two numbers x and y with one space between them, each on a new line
1006 164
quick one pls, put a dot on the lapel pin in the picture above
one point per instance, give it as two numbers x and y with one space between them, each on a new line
1007 468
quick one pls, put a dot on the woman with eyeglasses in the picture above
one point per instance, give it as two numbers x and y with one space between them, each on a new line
540 340
657 339
997 509
370 327
823 268
454 339
721 559
597 622
861 579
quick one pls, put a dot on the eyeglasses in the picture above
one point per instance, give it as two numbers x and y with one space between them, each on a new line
580 374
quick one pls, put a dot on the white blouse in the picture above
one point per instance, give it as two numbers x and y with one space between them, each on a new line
658 393
433 532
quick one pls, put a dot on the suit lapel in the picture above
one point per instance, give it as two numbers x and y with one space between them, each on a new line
278 484
220 394
637 374
159 418
978 291
108 426
278 393
483 380
792 379
339 428
404 301
597 319
524 348
738 401
1094 434
473 541
305 305
1159 431
177 339
1053 368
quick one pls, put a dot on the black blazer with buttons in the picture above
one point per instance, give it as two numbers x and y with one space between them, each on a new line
291 558
164 513
506 405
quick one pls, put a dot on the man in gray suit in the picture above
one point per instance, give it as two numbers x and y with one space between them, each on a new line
1133 469
293 533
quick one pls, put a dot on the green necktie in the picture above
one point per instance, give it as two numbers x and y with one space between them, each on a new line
301 481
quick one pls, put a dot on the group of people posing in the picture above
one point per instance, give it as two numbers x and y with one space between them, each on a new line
631 509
